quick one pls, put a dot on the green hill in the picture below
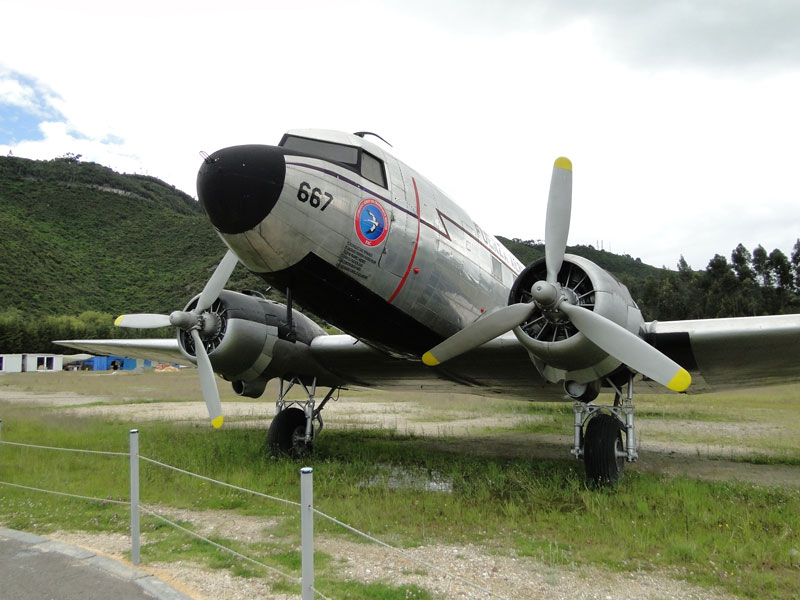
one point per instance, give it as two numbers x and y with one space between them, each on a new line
79 236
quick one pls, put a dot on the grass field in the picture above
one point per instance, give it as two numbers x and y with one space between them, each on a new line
412 490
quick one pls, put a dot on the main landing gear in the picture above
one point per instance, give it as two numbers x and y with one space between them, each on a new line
293 429
601 443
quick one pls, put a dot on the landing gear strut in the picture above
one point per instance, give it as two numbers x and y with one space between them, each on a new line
292 431
601 444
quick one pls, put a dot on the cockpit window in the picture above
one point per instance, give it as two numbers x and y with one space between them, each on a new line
327 150
351 157
372 169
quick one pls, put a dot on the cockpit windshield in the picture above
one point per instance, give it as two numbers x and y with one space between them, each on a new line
351 157
327 150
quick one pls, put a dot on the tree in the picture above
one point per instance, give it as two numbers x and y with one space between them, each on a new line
796 264
783 275
741 259
748 290
722 289
761 265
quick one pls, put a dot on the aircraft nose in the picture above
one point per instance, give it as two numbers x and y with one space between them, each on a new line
240 185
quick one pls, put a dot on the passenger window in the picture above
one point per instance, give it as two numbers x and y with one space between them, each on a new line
372 169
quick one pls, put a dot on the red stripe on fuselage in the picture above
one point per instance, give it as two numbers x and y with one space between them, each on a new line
414 252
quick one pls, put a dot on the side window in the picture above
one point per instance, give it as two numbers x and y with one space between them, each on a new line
497 269
372 169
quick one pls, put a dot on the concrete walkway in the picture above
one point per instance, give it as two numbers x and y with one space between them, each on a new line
35 568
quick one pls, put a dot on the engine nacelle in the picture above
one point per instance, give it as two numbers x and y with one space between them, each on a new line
556 347
249 341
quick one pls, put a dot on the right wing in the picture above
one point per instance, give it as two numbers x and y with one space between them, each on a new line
160 350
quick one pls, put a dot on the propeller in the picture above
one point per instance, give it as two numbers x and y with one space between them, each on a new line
194 321
549 297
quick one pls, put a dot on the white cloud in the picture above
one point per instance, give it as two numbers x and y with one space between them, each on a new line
690 34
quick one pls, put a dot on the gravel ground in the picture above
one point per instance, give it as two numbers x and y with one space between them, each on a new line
456 567
505 576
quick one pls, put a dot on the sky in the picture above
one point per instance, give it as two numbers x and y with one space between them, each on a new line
681 117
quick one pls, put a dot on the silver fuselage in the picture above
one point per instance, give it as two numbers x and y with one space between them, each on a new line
431 261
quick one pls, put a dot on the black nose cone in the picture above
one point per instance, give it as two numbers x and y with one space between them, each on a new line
239 186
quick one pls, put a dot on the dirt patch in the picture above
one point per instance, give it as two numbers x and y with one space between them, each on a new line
447 571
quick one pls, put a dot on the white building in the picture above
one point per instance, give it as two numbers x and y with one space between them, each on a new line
20 363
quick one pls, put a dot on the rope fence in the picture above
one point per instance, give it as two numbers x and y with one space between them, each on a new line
306 507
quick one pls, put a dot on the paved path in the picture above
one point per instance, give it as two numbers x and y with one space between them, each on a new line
35 568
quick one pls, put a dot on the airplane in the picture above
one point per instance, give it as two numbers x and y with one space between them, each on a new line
427 301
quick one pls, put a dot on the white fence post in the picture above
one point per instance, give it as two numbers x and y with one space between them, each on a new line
307 533
134 452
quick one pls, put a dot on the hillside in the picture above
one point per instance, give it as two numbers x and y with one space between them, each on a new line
79 236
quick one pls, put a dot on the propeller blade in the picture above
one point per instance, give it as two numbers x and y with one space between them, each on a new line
628 348
215 285
481 331
559 210
142 321
208 383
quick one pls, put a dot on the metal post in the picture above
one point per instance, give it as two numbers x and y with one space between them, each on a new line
1 430
134 453
307 533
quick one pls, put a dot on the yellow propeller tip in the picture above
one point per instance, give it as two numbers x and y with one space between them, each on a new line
118 320
563 163
429 359
681 381
217 423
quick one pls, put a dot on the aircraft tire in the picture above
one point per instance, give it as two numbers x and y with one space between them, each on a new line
286 434
602 440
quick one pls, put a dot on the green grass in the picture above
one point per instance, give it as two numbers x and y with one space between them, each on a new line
734 535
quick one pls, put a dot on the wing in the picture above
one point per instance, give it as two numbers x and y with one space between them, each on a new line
161 350
719 354
733 352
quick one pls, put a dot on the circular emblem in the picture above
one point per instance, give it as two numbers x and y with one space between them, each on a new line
372 225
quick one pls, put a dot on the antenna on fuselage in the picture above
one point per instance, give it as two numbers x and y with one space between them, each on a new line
361 134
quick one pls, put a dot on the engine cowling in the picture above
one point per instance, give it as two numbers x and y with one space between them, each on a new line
556 347
249 341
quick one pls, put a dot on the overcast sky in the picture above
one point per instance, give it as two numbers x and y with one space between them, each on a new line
680 117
